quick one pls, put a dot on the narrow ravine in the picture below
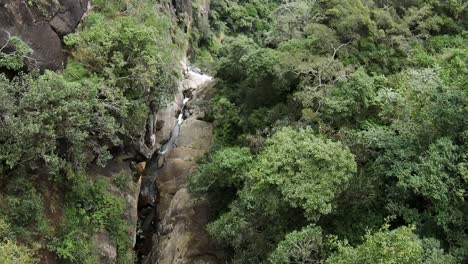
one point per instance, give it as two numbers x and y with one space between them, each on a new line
149 194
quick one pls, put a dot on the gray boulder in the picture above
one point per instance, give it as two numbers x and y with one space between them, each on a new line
41 27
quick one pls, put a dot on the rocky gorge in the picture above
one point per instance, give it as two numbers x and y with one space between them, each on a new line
178 220
165 223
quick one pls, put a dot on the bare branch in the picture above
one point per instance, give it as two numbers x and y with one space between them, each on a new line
335 50
7 41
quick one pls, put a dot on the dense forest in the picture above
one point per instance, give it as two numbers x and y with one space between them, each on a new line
341 129
55 126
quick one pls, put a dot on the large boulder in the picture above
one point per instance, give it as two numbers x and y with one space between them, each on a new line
68 16
182 237
41 26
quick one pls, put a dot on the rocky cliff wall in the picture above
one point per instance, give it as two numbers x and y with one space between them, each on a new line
41 24
180 219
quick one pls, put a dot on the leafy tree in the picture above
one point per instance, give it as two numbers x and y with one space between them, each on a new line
251 75
396 246
225 168
13 253
297 174
133 54
304 246
307 170
250 17
90 208
386 79
227 120
13 52
353 101
50 121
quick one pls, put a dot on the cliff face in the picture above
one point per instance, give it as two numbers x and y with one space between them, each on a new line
41 25
174 230
181 219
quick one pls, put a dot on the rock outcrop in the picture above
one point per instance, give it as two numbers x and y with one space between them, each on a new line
119 167
41 25
181 236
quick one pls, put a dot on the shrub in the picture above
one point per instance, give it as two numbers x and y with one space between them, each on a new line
13 253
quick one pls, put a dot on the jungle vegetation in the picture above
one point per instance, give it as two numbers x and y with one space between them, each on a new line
341 130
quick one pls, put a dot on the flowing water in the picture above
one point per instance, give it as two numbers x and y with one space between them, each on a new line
148 199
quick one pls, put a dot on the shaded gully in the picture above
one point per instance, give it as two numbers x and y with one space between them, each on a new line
149 197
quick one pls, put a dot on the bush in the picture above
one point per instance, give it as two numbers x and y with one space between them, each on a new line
22 206
90 208
123 180
5 231
13 54
13 253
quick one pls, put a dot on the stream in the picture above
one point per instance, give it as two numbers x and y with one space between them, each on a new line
149 196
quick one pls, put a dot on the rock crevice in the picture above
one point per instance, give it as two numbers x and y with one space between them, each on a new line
179 223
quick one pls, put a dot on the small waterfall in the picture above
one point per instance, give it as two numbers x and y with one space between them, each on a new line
147 206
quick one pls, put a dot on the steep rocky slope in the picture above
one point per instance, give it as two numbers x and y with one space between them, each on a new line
41 25
180 219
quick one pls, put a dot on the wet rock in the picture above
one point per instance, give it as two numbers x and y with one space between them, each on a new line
159 124
196 134
166 117
184 239
182 236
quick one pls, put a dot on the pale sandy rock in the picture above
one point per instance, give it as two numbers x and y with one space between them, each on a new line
106 249
196 134
167 120
182 237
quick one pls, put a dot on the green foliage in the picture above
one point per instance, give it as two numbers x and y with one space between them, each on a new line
304 246
250 17
75 72
124 63
13 253
131 53
225 168
434 254
22 208
438 177
89 209
388 80
220 176
13 52
379 84
251 75
307 170
396 246
426 117
47 8
297 174
227 119
59 123
5 231
110 8
353 101
123 180
75 247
